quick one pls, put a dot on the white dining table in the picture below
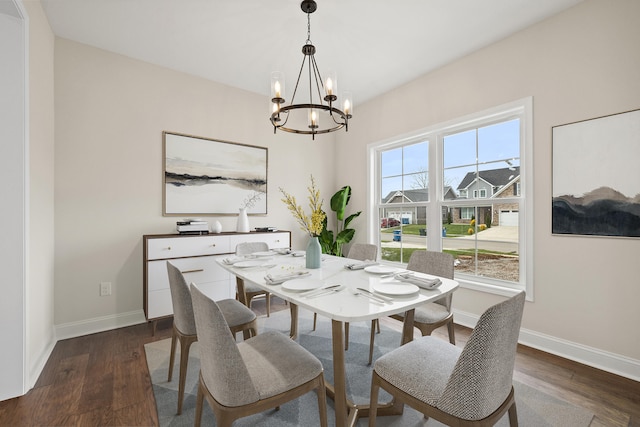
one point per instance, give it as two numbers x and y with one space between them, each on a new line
341 306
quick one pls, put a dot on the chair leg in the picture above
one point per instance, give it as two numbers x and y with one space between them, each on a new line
346 336
373 402
377 325
185 345
315 318
452 332
199 402
513 415
172 358
372 338
321 391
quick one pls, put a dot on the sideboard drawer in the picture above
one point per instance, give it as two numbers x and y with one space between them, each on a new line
274 240
178 247
196 269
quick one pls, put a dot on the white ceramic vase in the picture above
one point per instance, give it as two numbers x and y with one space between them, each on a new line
216 227
243 221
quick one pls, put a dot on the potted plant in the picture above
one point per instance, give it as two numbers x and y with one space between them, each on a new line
332 242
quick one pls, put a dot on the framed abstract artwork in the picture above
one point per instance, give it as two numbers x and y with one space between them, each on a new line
596 177
204 176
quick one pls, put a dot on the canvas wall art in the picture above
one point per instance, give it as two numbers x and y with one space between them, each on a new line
596 176
204 176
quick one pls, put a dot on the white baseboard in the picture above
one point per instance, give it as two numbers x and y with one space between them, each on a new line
99 324
38 364
590 356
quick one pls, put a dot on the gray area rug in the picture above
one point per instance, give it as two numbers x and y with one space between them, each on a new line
535 408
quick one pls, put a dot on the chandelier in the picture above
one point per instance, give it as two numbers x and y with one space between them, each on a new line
322 116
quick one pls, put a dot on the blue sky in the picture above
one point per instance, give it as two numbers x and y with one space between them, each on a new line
497 146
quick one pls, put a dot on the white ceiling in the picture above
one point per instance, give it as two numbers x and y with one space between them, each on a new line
373 45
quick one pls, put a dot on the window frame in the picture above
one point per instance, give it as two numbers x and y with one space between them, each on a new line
434 135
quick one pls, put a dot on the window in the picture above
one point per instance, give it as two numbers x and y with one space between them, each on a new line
458 187
480 193
467 213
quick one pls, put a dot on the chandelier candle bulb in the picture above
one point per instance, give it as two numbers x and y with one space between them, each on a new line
313 119
331 86
277 87
347 104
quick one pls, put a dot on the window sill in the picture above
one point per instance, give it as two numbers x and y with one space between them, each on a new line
490 288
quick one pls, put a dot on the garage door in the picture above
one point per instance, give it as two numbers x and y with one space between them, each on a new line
509 218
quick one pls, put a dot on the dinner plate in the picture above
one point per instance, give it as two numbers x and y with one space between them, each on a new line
245 264
380 269
304 284
263 253
396 288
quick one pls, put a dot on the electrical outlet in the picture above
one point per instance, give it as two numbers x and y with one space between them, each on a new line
105 289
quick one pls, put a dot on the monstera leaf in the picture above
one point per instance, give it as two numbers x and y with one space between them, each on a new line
332 242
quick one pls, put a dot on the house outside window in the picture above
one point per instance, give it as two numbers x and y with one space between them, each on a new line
423 188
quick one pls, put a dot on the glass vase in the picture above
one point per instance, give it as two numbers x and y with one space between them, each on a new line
314 253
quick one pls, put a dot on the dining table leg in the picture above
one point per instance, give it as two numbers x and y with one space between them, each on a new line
339 373
293 334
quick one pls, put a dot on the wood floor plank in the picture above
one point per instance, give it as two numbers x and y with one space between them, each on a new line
103 380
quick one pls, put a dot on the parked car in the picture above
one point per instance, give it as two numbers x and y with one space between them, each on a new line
389 222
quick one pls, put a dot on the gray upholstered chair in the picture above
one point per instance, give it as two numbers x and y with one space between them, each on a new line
249 290
238 317
431 316
461 387
241 379
361 252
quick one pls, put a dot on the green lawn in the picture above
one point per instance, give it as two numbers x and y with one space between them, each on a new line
453 230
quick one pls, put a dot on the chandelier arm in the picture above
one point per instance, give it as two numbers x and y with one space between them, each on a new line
318 79
311 66
295 90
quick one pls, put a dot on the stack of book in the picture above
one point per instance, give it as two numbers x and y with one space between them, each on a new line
192 227
263 229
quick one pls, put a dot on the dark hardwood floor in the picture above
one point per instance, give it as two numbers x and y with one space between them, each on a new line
102 379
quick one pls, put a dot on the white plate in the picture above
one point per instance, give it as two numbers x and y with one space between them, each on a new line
264 253
245 264
303 284
380 269
396 288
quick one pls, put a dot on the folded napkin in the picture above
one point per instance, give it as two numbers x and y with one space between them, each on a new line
233 259
360 265
421 282
276 279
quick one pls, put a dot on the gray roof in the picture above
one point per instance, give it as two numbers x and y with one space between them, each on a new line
495 177
419 195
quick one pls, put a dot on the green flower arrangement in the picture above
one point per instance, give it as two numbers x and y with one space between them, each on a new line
312 224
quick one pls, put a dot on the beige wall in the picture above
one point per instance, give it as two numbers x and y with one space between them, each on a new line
40 287
110 114
111 111
577 65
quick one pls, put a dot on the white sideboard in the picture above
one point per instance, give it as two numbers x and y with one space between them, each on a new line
195 256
